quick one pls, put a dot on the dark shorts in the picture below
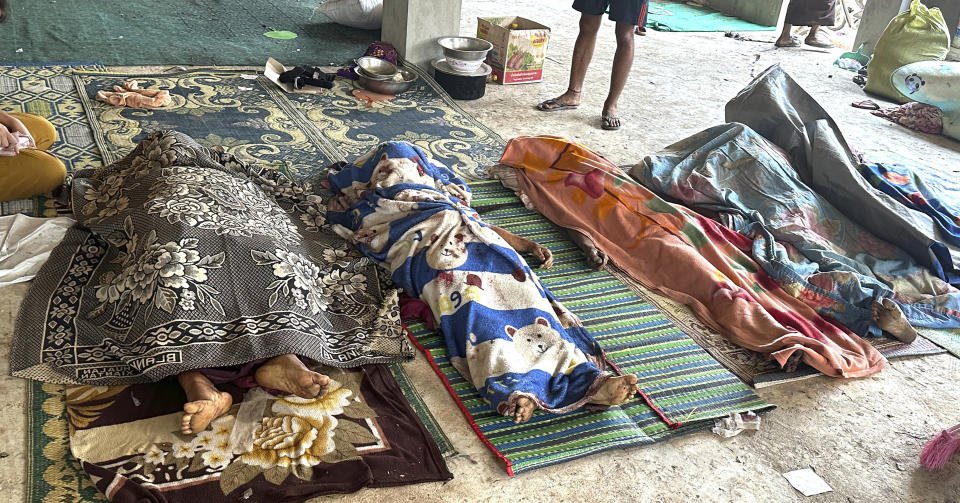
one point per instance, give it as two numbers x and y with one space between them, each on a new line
621 11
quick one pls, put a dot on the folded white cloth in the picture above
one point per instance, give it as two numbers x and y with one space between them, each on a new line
26 243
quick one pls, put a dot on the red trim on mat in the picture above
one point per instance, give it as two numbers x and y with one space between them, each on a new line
663 417
453 393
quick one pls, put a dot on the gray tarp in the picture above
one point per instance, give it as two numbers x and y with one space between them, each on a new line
775 106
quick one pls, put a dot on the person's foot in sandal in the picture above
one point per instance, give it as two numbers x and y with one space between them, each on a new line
569 100
610 119
787 42
3 10
815 39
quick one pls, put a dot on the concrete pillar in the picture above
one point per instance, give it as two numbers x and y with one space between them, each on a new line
878 13
413 27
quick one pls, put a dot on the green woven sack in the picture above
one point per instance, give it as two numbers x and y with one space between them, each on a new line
919 34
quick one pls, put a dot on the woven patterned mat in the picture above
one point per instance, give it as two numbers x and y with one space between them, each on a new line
304 133
679 377
49 91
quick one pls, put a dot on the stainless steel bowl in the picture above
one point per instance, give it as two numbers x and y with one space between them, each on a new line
398 84
376 68
465 48
361 71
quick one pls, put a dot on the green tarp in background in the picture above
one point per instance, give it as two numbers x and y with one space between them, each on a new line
183 32
665 16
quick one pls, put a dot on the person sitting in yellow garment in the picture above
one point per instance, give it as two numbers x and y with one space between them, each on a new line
33 170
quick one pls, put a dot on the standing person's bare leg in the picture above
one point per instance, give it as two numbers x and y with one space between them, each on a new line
815 41
582 54
786 38
622 61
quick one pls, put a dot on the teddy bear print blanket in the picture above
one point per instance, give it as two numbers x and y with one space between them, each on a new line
502 327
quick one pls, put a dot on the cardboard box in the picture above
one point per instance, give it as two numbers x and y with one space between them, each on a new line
519 48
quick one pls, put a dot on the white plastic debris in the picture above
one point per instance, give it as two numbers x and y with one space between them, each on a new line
249 417
807 482
20 49
736 423
244 88
248 76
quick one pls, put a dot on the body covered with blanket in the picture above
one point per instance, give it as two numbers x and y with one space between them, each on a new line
679 253
186 258
505 332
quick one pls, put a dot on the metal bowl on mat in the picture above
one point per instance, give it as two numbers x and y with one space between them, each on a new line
402 81
376 68
465 54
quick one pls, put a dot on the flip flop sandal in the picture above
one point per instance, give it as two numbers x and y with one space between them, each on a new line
609 123
553 105
866 105
794 42
817 42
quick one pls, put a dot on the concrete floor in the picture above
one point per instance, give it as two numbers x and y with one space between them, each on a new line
863 436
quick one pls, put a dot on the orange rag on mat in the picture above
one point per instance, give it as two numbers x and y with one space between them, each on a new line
131 95
682 255
371 97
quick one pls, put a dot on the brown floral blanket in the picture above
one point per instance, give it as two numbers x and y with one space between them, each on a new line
184 257
277 449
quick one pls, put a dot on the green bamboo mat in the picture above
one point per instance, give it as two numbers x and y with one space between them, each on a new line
680 378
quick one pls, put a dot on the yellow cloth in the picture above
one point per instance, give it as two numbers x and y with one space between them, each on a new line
33 171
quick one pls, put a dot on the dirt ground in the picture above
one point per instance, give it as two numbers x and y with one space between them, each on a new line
862 436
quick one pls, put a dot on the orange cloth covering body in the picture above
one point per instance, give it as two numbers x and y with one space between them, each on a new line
682 255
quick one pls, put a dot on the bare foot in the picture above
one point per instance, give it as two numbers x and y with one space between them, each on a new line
890 319
543 254
596 259
198 414
525 408
287 373
204 402
616 390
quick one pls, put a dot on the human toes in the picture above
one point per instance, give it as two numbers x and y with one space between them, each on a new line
185 424
544 255
524 410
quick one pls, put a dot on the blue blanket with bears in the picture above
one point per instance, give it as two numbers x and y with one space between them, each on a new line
505 332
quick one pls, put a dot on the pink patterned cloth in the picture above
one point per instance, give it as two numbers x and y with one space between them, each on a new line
917 116
377 49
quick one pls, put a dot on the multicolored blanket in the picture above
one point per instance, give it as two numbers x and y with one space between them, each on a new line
506 333
681 254
801 239
184 258
362 433
777 108
908 187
